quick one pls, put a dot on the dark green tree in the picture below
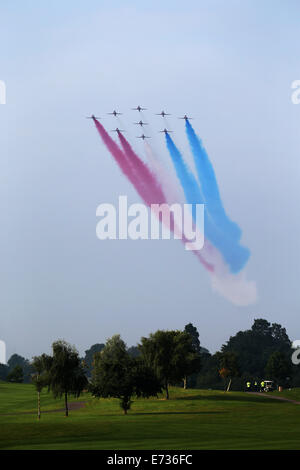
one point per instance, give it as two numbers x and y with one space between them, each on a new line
66 374
228 367
4 370
209 376
192 330
16 375
279 367
171 355
89 356
17 360
119 375
134 351
191 377
255 346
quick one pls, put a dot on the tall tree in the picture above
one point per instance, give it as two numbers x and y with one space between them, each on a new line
229 367
16 375
190 377
65 371
171 355
90 354
17 360
39 377
255 346
4 370
192 330
279 367
119 375
134 351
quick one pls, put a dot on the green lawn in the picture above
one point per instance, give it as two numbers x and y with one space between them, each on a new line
192 419
293 394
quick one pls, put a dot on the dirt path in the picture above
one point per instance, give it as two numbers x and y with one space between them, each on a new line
267 395
73 406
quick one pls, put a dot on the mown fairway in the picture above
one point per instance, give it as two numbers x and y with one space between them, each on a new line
192 419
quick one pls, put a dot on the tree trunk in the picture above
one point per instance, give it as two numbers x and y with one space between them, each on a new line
185 383
39 405
125 412
66 405
229 384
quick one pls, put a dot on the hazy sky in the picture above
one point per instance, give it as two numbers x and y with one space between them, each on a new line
230 65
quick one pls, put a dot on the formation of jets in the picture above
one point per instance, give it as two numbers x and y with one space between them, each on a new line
185 117
140 123
162 114
93 117
139 109
115 113
117 130
143 136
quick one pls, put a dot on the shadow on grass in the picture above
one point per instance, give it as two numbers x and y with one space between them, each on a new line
227 396
178 413
73 406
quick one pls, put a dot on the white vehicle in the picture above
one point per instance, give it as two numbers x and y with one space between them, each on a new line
269 385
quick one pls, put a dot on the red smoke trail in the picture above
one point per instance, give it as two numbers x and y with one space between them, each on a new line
121 159
139 175
156 194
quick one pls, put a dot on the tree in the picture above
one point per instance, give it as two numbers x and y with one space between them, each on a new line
39 377
279 367
65 372
134 351
255 346
171 355
209 377
192 330
17 360
119 375
191 376
16 375
229 367
89 356
3 371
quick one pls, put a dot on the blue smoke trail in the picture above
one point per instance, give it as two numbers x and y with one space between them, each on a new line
235 255
209 185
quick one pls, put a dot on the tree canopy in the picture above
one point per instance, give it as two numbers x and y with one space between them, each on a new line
117 374
66 374
255 346
171 355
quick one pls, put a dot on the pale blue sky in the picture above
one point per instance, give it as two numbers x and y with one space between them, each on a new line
230 64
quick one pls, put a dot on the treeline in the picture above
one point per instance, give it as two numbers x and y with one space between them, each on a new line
260 353
164 358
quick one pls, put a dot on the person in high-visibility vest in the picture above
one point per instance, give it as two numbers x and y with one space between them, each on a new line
248 385
262 386
255 386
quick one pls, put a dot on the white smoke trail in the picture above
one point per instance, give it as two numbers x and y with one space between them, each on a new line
234 287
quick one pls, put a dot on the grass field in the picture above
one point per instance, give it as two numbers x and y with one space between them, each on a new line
191 419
